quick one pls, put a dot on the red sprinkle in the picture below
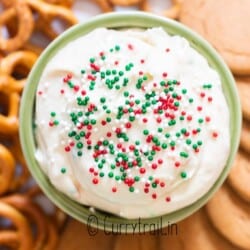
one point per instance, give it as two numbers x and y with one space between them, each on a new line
142 170
202 94
154 166
177 164
215 134
114 189
168 199
162 184
67 148
95 181
154 195
208 119
210 99
83 92
199 108
130 46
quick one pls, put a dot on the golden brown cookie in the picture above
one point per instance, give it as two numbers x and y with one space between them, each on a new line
243 85
196 232
245 137
231 216
225 24
240 175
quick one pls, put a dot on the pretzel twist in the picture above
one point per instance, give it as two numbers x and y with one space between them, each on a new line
21 238
49 13
25 25
36 217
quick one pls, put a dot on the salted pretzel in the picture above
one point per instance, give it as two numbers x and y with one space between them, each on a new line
48 13
172 12
37 219
10 105
7 168
19 64
21 237
25 25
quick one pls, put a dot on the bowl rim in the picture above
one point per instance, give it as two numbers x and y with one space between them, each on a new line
103 220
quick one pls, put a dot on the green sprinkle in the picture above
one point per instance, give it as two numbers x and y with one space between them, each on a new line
150 158
191 100
126 93
105 142
56 122
131 189
117 47
184 91
188 141
111 174
101 174
102 99
92 60
79 153
199 143
145 132
108 119
183 175
200 120
53 114
136 178
93 121
117 177
160 130
167 135
154 185
164 145
82 133
63 170
184 154
79 145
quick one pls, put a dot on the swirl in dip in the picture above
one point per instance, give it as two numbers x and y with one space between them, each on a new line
132 122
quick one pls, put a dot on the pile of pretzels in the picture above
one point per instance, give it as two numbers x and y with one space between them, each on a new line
24 223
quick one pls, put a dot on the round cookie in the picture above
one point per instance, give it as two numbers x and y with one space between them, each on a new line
231 216
240 175
196 232
243 85
245 137
225 25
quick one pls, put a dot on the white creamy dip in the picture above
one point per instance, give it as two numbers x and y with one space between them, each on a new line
131 122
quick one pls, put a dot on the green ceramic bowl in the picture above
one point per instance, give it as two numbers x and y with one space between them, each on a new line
120 20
